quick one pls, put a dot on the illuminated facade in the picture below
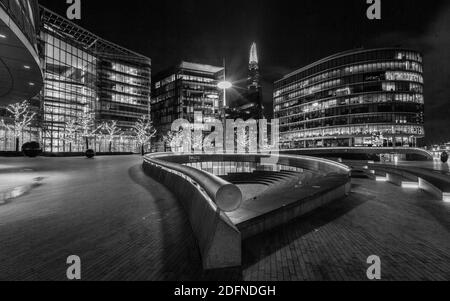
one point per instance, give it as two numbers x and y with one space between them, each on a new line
20 71
78 74
85 74
253 67
253 97
249 104
182 90
358 98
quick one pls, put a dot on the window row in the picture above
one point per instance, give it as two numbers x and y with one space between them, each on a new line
280 111
350 90
354 119
363 56
351 70
355 131
339 112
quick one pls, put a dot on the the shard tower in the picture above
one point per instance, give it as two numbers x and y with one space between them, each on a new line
254 93
253 67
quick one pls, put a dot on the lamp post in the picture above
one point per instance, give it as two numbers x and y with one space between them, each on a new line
224 86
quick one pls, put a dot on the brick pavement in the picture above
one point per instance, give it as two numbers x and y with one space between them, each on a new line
126 226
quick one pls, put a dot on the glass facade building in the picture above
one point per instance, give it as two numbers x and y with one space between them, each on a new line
20 71
358 98
88 76
25 15
70 75
182 90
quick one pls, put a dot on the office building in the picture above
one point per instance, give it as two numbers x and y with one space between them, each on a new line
85 74
358 98
182 90
21 76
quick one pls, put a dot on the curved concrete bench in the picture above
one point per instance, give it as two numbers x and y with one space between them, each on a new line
437 185
204 196
398 177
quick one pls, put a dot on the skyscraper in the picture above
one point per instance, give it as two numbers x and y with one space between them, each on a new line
254 89
250 104
253 68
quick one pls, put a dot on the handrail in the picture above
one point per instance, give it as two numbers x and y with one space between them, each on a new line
226 196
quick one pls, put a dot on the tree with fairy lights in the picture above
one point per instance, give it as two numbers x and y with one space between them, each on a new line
23 117
87 127
70 132
144 132
173 139
112 131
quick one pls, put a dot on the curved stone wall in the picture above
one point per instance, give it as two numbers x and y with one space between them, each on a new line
218 239
207 197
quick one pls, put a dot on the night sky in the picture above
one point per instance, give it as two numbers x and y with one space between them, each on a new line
289 34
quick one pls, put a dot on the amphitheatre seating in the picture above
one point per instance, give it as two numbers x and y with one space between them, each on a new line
218 217
283 203
267 178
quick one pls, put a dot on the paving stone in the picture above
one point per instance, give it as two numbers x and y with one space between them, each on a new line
125 226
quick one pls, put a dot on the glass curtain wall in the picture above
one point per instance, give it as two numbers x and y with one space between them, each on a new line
69 92
360 98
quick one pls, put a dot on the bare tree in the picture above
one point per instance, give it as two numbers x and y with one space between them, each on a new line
144 131
112 131
70 132
23 117
242 140
87 126
173 139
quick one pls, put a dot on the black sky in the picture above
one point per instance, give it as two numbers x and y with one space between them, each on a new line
289 34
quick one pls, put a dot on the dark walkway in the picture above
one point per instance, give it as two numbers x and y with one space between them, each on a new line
124 226
121 224
407 229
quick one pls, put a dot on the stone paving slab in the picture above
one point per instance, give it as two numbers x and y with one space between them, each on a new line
126 226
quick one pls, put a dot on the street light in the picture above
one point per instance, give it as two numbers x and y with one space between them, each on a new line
225 85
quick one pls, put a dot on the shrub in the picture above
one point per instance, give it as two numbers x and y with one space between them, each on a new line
32 149
90 153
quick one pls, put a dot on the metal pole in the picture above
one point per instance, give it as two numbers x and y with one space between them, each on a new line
224 114
224 79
